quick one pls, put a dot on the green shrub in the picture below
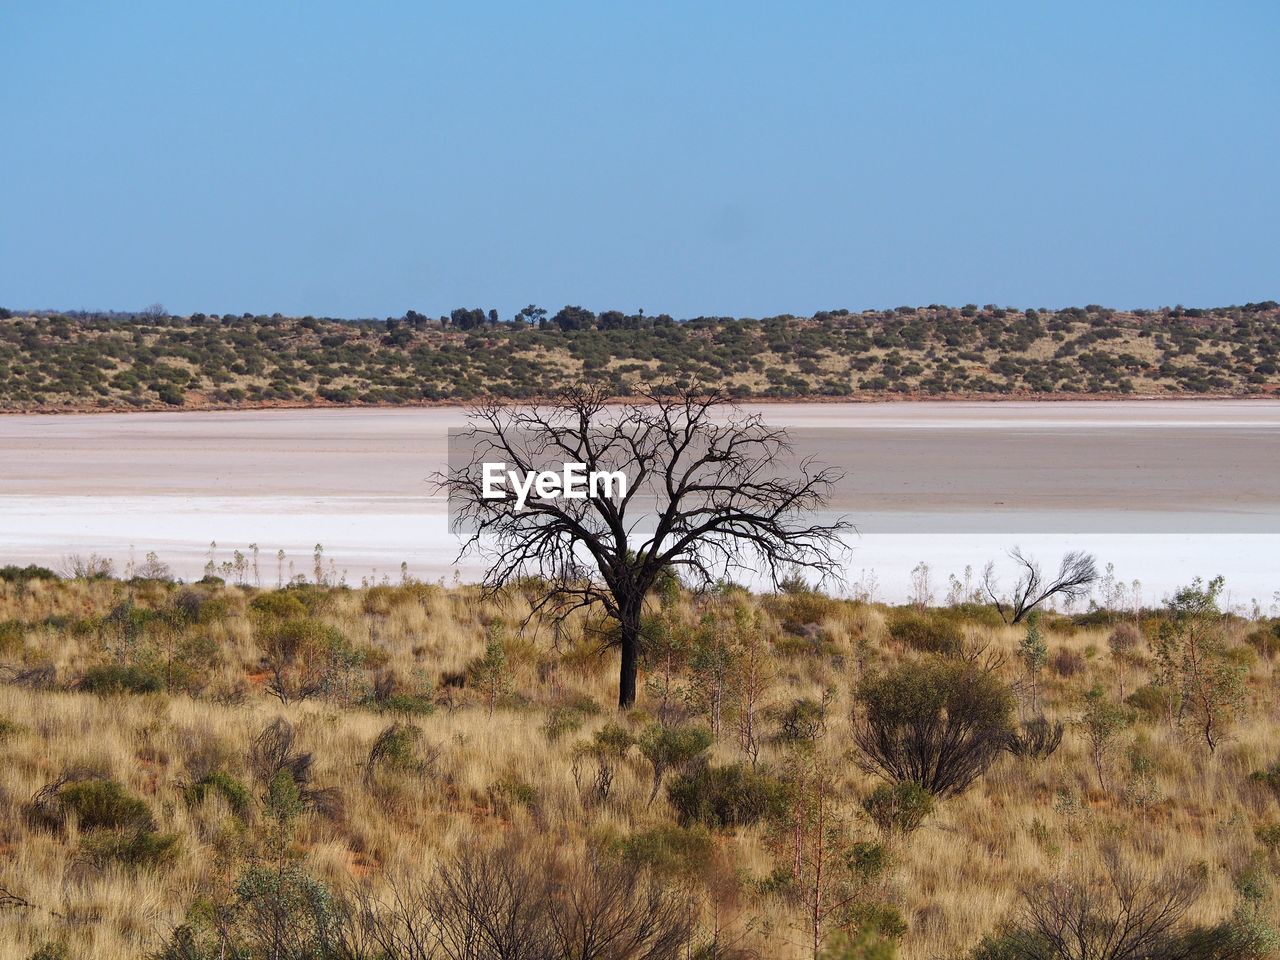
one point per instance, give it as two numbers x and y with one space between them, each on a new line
190 605
669 849
510 792
121 678
170 395
222 784
927 632
978 614
11 634
1269 778
129 848
866 944
867 861
279 604
1152 701
1266 640
23 575
562 721
898 807
103 805
1036 739
671 748
882 919
409 704
1012 944
391 695
799 607
729 796
395 748
937 722
192 941
284 913
803 721
1268 835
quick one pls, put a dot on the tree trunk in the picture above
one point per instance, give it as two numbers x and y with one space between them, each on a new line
629 623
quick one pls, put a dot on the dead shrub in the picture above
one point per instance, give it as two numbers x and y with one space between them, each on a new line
274 752
1066 663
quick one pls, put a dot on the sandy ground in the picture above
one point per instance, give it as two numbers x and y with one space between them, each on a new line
1164 489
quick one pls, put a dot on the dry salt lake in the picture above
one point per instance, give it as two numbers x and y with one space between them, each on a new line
1163 490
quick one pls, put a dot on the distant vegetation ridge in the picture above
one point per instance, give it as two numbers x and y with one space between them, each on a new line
51 361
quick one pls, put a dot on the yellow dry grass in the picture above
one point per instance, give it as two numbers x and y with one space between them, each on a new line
954 880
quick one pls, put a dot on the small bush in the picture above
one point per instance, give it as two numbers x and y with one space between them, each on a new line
1151 701
1268 835
1036 739
729 796
562 721
286 773
669 850
898 807
927 632
121 678
222 784
190 605
24 575
396 748
1269 778
1124 639
391 694
1115 911
98 804
278 604
306 658
285 913
511 792
11 633
798 608
803 721
1266 641
129 848
1066 663
1014 944
867 944
671 748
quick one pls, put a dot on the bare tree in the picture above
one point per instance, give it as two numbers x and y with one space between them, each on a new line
491 903
1116 913
612 911
711 492
1076 574
518 901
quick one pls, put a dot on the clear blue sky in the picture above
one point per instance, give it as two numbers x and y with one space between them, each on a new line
361 159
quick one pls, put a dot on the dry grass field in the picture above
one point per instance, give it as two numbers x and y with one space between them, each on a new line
144 788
